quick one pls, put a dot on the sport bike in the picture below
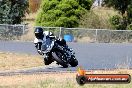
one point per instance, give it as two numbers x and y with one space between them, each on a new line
54 49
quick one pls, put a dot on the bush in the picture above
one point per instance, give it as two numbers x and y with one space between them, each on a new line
125 9
118 22
95 20
90 20
12 11
129 27
61 13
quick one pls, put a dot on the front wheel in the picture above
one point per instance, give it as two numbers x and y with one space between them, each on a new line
73 61
58 57
47 61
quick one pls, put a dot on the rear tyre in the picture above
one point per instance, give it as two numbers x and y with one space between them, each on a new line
57 58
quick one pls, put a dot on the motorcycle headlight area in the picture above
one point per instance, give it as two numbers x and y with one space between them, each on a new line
44 47
47 45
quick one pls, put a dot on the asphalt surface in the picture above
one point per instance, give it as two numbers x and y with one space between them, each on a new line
89 55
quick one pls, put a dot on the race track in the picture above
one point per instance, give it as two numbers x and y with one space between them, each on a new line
89 55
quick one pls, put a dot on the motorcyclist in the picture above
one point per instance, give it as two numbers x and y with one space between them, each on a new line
40 37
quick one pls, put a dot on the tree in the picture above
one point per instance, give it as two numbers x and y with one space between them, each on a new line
61 13
4 11
120 5
12 11
125 9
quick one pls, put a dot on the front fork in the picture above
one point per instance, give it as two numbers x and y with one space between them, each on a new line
70 54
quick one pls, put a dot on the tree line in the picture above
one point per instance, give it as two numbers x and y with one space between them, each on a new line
65 13
12 11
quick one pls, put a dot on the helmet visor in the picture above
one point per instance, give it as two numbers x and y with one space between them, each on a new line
38 36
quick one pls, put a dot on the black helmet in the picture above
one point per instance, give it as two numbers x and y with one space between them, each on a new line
38 32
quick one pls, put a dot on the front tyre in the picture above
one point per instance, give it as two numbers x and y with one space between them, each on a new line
47 61
57 57
73 61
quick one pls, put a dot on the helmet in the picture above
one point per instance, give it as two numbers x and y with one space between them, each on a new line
38 32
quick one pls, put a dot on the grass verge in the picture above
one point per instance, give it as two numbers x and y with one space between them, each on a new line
15 61
52 80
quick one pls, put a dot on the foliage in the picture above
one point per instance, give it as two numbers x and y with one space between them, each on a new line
4 11
62 13
12 11
120 5
125 8
116 22
90 20
129 13
129 27
96 19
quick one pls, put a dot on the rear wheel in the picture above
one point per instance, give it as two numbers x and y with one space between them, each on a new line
59 57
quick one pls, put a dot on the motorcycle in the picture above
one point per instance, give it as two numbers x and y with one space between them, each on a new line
58 51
